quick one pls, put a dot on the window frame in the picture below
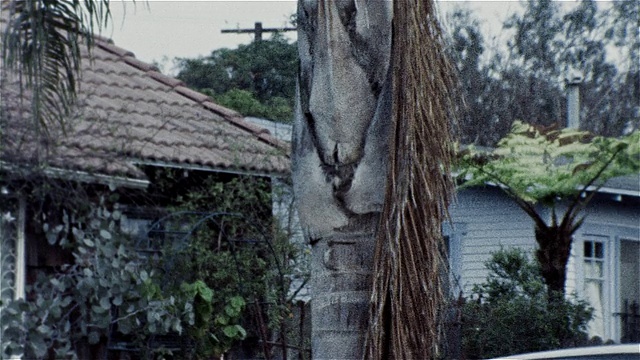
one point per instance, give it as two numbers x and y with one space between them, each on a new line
612 302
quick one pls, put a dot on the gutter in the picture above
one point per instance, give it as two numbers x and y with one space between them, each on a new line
614 191
85 177
207 169
602 190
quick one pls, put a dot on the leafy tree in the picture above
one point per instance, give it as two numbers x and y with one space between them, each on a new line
480 119
548 45
560 169
276 108
514 294
523 79
264 70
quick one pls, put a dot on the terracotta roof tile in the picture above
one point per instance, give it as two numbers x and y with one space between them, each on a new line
166 80
109 47
192 94
129 113
138 64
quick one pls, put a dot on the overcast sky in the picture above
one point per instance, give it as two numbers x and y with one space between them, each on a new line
160 31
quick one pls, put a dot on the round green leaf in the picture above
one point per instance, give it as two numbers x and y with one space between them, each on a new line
105 234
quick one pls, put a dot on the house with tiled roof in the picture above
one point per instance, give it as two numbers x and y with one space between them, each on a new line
130 117
130 125
129 114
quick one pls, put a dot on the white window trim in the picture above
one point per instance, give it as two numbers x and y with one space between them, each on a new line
21 255
607 276
611 302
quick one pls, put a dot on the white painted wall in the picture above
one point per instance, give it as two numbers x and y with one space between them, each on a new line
486 219
490 221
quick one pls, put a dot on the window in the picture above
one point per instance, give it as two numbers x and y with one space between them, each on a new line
607 265
149 229
595 283
629 291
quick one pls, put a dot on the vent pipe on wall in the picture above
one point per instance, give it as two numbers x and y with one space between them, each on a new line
573 80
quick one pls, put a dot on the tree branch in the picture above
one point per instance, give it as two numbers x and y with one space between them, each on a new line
526 206
577 204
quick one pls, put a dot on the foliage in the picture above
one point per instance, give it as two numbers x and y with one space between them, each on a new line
106 286
245 256
466 49
514 294
276 108
520 75
41 42
214 336
553 167
112 291
257 79
546 165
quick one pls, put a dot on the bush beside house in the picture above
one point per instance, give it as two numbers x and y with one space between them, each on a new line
510 312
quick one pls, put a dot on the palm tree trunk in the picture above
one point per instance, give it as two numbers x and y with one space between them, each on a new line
554 248
341 289
339 160
349 143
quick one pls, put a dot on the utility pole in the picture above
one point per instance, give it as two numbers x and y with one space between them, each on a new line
258 30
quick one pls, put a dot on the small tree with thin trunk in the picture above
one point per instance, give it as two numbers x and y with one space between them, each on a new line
562 170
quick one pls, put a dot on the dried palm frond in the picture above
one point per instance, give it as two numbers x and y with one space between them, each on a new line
407 297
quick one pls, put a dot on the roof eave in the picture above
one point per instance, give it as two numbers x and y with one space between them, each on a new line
196 167
112 181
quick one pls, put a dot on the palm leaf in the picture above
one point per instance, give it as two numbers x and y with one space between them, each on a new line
41 45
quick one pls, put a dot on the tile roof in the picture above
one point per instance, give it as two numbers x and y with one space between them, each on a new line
128 113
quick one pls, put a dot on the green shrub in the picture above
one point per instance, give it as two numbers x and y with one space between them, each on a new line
110 288
106 286
511 312
243 255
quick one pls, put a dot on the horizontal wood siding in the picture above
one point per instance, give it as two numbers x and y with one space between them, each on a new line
492 220
604 215
605 210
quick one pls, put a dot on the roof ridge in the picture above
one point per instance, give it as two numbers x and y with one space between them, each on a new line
230 115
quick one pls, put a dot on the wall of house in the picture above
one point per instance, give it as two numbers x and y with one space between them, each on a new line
615 223
608 216
484 220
